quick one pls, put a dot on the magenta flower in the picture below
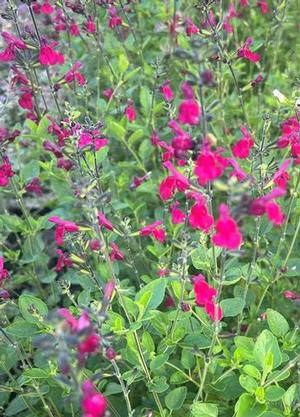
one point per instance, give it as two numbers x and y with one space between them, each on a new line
62 226
205 295
5 173
177 215
200 218
166 91
209 166
46 7
130 113
245 52
116 254
155 230
241 149
48 56
34 186
227 234
93 403
102 220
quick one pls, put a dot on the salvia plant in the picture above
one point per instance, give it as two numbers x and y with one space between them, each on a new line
150 209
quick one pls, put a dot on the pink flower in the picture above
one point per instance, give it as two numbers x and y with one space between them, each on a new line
90 344
48 56
130 113
171 183
244 52
5 173
227 233
177 215
182 141
191 28
63 260
189 112
281 177
34 186
244 3
62 227
114 20
274 213
47 8
102 220
74 29
3 272
95 244
8 54
87 139
75 75
116 254
25 101
291 295
205 295
259 79
166 91
93 403
237 170
241 149
263 6
90 26
109 290
199 217
155 230
266 205
137 181
209 166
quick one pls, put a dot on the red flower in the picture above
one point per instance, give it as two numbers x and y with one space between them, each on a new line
95 244
5 173
130 113
74 29
171 183
155 230
274 213
182 141
114 20
116 254
189 112
291 295
75 75
205 295
237 170
25 101
244 52
281 177
90 25
241 149
14 43
62 227
199 217
87 139
102 220
263 6
47 8
63 260
177 215
266 205
90 344
191 28
227 233
48 56
93 403
166 91
3 271
137 181
209 166
34 186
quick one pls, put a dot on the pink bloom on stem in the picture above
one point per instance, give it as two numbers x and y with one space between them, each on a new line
90 26
227 234
48 56
177 215
182 141
87 139
171 183
47 8
259 79
137 181
263 6
109 290
3 272
241 149
189 112
75 75
209 166
90 344
102 220
116 254
244 3
5 173
281 177
62 226
63 260
8 54
291 295
130 113
95 244
114 20
237 170
25 101
245 52
155 230
191 28
205 295
74 29
266 205
13 40
274 213
166 91
199 217
34 186
93 403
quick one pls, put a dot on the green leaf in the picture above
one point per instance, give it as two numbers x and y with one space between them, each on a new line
175 398
277 323
131 74
30 170
199 409
117 130
159 361
36 373
267 343
159 384
248 383
248 407
274 393
290 395
232 307
21 328
123 63
200 259
29 306
135 136
157 290
112 388
252 371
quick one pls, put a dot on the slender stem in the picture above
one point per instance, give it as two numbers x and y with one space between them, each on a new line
124 388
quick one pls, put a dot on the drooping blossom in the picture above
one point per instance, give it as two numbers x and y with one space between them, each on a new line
65 164
154 229
137 181
237 170
102 220
130 113
46 7
3 272
182 140
18 77
5 173
263 6
90 26
177 215
205 297
190 27
13 44
290 295
227 234
171 183
210 21
95 244
266 205
241 149
93 403
48 55
245 52
92 138
63 260
74 29
259 79
62 226
290 135
53 148
34 186
199 216
26 100
166 91
209 165
189 110
116 254
114 19
109 291
281 177
75 75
